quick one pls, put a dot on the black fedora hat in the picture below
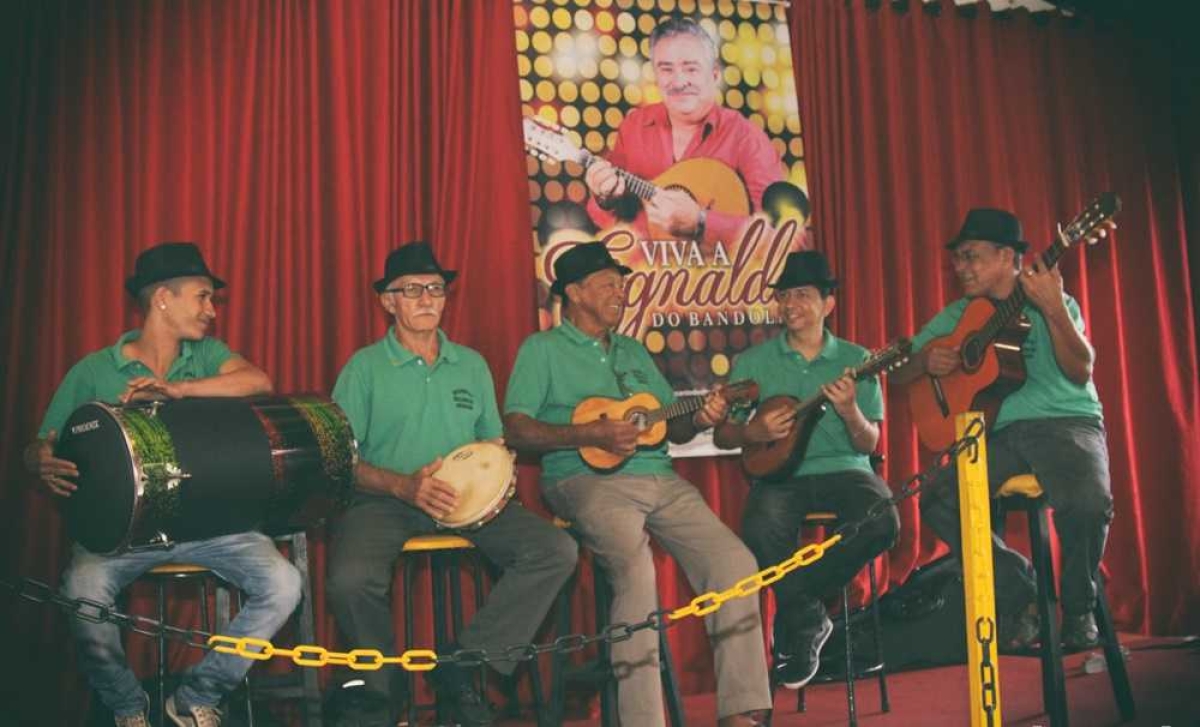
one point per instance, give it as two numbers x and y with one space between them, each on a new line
807 267
413 258
581 261
169 260
998 226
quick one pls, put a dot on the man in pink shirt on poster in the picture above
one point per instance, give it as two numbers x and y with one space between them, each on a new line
687 124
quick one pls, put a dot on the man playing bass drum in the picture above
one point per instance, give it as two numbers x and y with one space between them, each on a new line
169 357
835 473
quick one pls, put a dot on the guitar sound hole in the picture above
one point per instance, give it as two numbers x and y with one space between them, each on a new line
972 353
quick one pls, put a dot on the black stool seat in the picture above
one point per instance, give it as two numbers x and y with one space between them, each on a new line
1025 493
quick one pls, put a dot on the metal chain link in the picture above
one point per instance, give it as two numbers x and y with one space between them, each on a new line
427 659
985 634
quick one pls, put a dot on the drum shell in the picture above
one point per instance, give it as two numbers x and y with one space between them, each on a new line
198 468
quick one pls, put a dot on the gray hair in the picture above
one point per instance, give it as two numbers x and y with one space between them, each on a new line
672 27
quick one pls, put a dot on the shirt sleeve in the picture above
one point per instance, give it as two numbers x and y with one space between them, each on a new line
76 389
1075 314
529 384
352 395
940 325
214 353
869 394
742 369
488 425
759 166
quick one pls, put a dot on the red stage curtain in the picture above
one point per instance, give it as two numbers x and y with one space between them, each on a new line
299 142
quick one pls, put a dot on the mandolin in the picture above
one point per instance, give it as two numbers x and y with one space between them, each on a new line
777 460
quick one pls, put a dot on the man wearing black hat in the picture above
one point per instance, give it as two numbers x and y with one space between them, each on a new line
835 474
616 511
412 398
1052 426
169 357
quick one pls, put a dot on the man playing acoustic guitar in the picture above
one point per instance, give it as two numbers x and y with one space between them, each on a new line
412 398
687 124
617 510
1050 426
835 473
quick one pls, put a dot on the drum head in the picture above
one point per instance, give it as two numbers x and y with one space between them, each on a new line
99 514
483 474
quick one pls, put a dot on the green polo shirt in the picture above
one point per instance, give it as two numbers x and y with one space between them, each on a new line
780 369
406 413
104 374
1047 393
558 368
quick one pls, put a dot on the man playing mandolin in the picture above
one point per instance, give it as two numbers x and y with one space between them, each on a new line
687 124
412 398
617 510
833 474
170 357
1050 426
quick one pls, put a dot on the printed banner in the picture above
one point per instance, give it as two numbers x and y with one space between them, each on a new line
669 130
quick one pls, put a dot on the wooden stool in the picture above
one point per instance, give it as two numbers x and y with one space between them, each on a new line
600 669
1024 492
827 521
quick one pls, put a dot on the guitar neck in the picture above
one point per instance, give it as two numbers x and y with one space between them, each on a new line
1010 307
635 184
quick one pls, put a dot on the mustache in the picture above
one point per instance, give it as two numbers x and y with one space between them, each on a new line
680 90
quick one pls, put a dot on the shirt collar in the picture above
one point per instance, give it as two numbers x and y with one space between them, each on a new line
829 346
657 116
576 336
122 361
398 355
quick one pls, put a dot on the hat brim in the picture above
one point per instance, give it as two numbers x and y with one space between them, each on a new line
559 287
830 283
134 284
1019 245
382 284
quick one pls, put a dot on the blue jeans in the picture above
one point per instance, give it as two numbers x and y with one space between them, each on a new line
250 561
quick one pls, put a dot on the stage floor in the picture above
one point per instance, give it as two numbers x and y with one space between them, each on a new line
1166 687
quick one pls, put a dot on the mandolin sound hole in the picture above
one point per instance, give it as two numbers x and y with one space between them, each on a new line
638 418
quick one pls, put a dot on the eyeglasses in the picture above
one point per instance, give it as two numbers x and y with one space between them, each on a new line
414 290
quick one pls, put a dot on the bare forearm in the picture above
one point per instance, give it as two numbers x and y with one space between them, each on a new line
864 433
379 481
523 432
682 429
249 381
1071 350
730 435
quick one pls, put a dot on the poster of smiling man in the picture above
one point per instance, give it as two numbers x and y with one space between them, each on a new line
669 130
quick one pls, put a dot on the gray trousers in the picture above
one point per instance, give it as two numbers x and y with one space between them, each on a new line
1069 456
616 515
536 557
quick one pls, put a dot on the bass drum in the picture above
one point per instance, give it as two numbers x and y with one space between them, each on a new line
155 473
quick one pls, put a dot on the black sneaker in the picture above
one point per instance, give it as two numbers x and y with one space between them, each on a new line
456 695
798 653
1079 631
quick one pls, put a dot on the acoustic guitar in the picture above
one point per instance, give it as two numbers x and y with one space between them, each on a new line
712 184
989 337
777 460
651 417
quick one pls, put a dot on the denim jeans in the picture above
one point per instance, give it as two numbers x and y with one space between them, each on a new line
250 561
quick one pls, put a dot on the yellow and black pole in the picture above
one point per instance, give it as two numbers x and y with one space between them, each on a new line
976 522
